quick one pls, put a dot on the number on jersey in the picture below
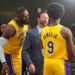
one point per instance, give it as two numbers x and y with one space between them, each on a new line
50 47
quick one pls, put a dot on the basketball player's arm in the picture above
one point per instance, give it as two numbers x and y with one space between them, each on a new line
9 32
67 35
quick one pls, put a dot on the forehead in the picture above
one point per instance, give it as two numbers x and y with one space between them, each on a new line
3 25
43 15
25 12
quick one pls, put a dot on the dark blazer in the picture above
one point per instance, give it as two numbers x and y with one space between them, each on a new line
32 52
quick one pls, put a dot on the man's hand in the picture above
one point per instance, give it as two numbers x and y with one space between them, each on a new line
32 68
5 69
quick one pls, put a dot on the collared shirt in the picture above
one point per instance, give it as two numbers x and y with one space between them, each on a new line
39 29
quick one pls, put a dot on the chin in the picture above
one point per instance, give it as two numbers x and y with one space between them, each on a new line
44 24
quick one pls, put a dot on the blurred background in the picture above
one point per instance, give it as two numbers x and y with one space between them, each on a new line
8 11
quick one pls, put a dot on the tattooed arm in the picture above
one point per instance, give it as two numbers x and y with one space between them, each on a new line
67 35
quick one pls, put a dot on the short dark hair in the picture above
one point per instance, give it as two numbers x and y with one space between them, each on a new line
44 11
20 10
55 10
3 22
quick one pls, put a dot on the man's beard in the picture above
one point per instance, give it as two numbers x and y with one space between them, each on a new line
23 22
42 24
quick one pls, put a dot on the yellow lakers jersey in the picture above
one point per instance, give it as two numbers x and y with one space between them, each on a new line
54 44
14 44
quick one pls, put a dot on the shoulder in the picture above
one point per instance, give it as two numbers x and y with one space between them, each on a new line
66 32
45 28
11 22
31 32
26 26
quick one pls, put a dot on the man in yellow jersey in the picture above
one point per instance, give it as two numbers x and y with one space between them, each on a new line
14 37
57 43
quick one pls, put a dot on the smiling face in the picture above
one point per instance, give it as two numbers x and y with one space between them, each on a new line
24 17
43 19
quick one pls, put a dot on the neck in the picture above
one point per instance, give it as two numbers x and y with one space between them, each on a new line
40 25
18 23
54 22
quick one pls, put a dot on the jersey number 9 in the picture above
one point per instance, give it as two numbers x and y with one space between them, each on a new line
50 47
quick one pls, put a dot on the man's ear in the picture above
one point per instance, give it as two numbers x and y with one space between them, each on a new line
37 19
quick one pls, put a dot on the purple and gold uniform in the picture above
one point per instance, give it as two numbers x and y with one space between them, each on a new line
55 51
13 49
